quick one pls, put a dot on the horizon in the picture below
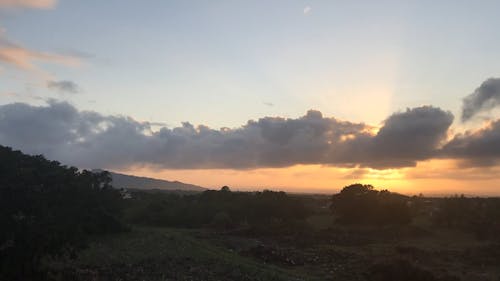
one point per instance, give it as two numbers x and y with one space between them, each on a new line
327 191
296 96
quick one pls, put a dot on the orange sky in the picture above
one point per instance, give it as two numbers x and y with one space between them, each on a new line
434 177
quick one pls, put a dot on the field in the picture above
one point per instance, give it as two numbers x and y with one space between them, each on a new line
165 254
327 251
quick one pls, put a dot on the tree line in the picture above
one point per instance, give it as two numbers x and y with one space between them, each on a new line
49 210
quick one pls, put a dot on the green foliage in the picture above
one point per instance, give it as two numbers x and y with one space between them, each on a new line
362 204
49 210
480 216
222 209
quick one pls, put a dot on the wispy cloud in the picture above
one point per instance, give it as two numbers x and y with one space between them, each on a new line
16 55
64 86
27 59
307 10
37 4
20 95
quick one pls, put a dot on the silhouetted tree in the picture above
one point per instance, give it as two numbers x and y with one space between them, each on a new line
49 210
362 204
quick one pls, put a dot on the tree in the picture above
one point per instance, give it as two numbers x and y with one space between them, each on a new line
49 210
362 204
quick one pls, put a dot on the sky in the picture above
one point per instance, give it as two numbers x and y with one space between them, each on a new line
305 96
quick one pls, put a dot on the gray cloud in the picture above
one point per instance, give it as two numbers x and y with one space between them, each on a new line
484 98
64 86
405 138
89 139
476 148
412 135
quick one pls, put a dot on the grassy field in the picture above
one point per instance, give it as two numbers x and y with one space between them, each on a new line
147 253
314 247
165 254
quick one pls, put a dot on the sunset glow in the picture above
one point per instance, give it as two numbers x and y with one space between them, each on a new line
292 96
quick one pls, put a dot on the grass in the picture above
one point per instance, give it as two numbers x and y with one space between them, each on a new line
150 253
168 254
321 221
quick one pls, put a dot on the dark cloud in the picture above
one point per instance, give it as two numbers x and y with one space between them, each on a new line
64 86
62 133
476 148
89 139
484 98
405 138
411 136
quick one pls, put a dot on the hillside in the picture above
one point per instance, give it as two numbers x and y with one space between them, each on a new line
134 182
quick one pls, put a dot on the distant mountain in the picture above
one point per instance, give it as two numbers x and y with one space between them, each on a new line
133 182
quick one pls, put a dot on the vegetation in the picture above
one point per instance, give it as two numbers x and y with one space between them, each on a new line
480 216
362 204
49 210
221 209
165 254
59 223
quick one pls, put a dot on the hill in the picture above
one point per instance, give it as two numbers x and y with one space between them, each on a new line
144 183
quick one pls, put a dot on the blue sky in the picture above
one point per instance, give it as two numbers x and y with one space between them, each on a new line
221 63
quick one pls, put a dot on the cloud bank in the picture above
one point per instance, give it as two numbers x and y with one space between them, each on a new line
89 139
92 140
